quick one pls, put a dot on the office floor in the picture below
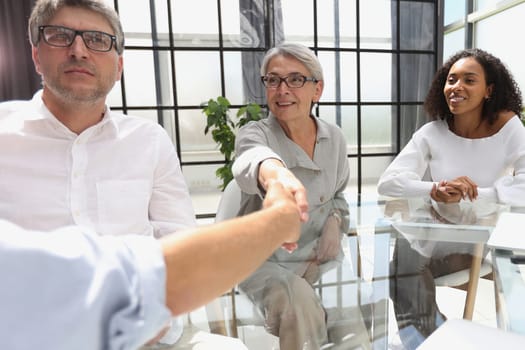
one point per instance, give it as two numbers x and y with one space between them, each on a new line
450 300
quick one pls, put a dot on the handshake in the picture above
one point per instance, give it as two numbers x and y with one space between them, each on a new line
223 254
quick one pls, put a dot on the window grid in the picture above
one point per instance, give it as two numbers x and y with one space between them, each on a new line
359 155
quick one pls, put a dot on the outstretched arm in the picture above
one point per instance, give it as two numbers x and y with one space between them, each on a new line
204 262
116 285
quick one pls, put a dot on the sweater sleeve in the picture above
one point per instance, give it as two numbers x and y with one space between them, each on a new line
404 176
510 188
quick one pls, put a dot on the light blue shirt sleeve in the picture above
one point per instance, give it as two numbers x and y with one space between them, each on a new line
72 289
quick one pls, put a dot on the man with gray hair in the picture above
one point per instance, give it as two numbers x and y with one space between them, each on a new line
66 158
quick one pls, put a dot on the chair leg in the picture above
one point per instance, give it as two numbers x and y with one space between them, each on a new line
472 287
216 323
497 303
233 322
218 318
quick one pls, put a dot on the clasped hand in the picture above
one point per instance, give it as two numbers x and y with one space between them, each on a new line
290 211
455 190
273 170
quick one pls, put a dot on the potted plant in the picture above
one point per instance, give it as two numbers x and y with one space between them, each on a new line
223 130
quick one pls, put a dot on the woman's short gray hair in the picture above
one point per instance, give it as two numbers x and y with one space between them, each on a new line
45 10
300 52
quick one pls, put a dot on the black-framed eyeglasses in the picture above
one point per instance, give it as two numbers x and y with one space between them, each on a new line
63 37
294 80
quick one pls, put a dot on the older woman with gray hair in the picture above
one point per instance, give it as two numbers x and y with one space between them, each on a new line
308 156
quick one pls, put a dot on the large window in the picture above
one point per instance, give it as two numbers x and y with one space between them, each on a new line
488 25
378 57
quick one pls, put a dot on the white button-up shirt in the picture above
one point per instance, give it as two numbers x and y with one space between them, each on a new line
120 176
70 289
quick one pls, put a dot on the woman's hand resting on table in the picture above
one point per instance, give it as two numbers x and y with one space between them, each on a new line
455 190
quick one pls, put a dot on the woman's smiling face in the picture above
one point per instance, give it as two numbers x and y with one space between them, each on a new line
466 87
291 103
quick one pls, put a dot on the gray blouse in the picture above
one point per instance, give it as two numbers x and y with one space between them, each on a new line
325 177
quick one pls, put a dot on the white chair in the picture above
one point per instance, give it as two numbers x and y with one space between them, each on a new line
230 202
462 334
242 309
242 315
468 277
228 208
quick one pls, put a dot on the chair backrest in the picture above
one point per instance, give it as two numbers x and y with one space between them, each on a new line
230 202
223 314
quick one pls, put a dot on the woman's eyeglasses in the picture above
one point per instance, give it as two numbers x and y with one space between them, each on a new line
294 80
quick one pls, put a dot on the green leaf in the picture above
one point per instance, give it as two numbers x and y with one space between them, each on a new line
252 111
222 129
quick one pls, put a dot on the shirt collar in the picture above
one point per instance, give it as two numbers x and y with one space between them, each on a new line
36 106
323 131
41 113
291 158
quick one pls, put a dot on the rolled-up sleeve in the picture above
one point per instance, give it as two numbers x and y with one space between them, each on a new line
71 289
246 167
252 146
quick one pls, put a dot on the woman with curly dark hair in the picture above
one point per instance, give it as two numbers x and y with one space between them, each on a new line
475 145
470 157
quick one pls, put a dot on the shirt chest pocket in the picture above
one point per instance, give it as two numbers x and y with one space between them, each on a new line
123 206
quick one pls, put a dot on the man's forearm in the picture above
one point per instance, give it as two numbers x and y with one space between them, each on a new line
204 262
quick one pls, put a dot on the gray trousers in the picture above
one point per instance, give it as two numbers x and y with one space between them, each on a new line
291 309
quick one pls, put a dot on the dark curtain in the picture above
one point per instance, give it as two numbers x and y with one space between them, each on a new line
253 35
417 32
18 79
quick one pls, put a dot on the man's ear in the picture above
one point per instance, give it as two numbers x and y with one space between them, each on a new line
120 64
36 59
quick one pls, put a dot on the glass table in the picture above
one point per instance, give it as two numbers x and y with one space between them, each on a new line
383 294
510 290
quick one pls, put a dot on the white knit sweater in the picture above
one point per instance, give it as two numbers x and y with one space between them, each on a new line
496 163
